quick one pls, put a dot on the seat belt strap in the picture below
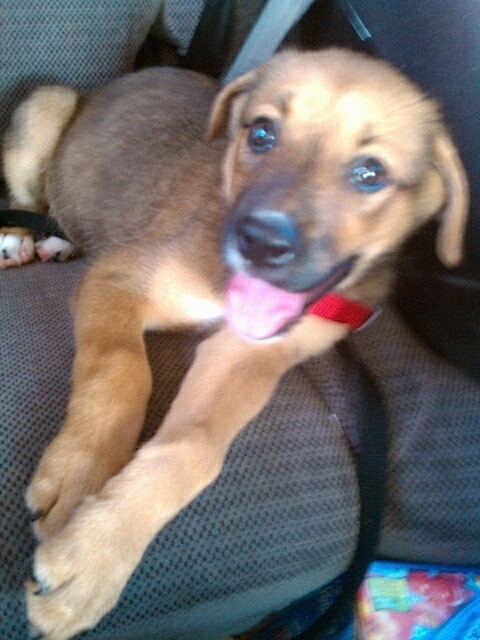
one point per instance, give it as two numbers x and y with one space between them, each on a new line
38 222
274 22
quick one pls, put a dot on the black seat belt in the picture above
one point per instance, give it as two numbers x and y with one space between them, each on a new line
211 41
372 482
42 224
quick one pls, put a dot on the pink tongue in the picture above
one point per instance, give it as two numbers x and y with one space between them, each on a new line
259 310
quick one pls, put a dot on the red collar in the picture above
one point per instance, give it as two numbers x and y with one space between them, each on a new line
333 306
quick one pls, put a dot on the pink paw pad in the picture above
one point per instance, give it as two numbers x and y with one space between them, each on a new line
54 248
15 250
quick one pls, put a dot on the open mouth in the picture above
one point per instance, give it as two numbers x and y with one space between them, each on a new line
258 310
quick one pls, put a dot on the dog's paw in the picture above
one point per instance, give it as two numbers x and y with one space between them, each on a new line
15 249
67 472
80 572
53 248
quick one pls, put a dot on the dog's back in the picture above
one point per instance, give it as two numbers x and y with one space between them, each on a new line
129 147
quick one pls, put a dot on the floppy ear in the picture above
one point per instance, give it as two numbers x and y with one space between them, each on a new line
222 107
454 215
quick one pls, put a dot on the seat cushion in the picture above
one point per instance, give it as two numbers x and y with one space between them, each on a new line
282 518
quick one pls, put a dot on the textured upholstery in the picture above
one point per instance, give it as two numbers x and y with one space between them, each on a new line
282 518
64 41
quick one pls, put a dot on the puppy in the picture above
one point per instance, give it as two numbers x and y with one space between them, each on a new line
286 227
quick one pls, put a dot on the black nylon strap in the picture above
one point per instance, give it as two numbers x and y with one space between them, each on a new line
42 224
212 38
372 476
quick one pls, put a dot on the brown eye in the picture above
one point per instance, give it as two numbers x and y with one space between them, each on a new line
368 175
262 135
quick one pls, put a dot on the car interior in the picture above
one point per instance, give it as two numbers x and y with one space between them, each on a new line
368 452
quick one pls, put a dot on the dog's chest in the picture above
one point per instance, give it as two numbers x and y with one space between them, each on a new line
178 295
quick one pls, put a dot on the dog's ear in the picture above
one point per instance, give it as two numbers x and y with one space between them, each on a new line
222 107
455 212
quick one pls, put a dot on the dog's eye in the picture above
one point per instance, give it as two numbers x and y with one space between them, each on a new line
368 175
262 134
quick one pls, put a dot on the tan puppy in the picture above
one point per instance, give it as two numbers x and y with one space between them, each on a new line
332 160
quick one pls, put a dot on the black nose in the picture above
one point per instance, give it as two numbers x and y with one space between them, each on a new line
267 238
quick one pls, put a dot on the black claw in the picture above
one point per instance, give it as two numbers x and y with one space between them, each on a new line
35 515
5 254
42 590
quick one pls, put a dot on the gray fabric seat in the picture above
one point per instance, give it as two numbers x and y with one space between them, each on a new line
68 42
282 518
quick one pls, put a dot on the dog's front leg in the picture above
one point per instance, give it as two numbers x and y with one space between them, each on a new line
111 387
82 570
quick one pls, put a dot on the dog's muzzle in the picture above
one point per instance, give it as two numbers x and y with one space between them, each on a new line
276 273
266 244
268 239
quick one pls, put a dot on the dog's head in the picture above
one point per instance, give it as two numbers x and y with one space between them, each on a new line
334 159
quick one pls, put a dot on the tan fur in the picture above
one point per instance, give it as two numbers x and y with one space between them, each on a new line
136 185
35 132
